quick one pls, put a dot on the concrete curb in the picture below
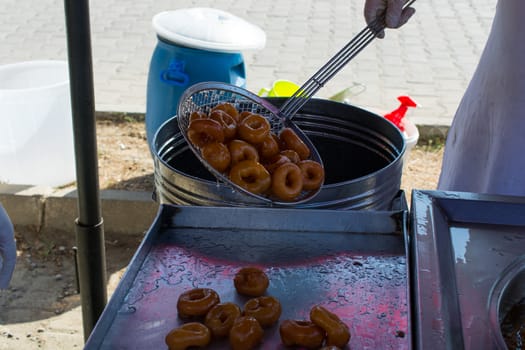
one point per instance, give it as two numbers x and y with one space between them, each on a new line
123 212
45 208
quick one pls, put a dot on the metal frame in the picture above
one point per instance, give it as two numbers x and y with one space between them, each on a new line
91 259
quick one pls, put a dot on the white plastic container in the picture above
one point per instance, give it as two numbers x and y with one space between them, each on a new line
36 132
411 135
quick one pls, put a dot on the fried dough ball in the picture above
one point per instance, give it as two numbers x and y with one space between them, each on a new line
228 108
251 176
251 281
197 115
204 131
292 141
221 317
268 147
229 125
189 335
287 181
197 302
217 155
337 332
254 128
246 333
292 155
275 162
265 309
241 150
313 174
304 334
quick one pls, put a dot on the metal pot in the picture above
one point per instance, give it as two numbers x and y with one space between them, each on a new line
507 304
362 154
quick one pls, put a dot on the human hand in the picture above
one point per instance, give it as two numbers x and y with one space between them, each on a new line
7 249
395 14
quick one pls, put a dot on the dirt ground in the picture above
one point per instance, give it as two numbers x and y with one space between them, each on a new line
41 309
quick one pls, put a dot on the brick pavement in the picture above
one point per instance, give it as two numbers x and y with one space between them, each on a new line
431 58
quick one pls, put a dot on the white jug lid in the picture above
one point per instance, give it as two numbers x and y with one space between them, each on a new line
209 29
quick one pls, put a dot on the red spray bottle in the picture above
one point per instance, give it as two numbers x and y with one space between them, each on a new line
397 115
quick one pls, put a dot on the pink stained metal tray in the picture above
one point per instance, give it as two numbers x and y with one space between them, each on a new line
352 262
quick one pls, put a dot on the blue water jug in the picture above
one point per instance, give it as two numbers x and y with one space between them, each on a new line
174 68
194 45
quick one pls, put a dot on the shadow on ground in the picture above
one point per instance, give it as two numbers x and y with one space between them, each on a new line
44 284
139 183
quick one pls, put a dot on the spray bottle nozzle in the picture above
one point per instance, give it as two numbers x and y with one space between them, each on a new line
397 115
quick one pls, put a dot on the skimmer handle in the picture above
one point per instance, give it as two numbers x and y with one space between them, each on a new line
334 65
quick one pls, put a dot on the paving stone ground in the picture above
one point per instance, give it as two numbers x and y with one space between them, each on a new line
432 58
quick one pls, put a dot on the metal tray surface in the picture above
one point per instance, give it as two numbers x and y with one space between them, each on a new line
461 245
352 262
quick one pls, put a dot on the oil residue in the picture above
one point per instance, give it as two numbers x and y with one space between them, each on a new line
513 327
369 292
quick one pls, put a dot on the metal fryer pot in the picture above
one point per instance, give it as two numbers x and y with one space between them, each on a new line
362 154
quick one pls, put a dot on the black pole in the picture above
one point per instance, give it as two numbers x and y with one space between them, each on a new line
89 225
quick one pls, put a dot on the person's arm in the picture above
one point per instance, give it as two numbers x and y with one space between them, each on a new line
395 15
7 249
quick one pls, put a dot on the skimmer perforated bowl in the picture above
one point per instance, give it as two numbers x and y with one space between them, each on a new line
204 96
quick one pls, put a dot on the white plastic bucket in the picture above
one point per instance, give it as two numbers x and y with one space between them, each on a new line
36 132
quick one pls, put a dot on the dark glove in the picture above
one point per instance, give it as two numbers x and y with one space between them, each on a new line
395 15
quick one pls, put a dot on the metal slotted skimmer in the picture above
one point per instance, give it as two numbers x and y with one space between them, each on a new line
204 96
